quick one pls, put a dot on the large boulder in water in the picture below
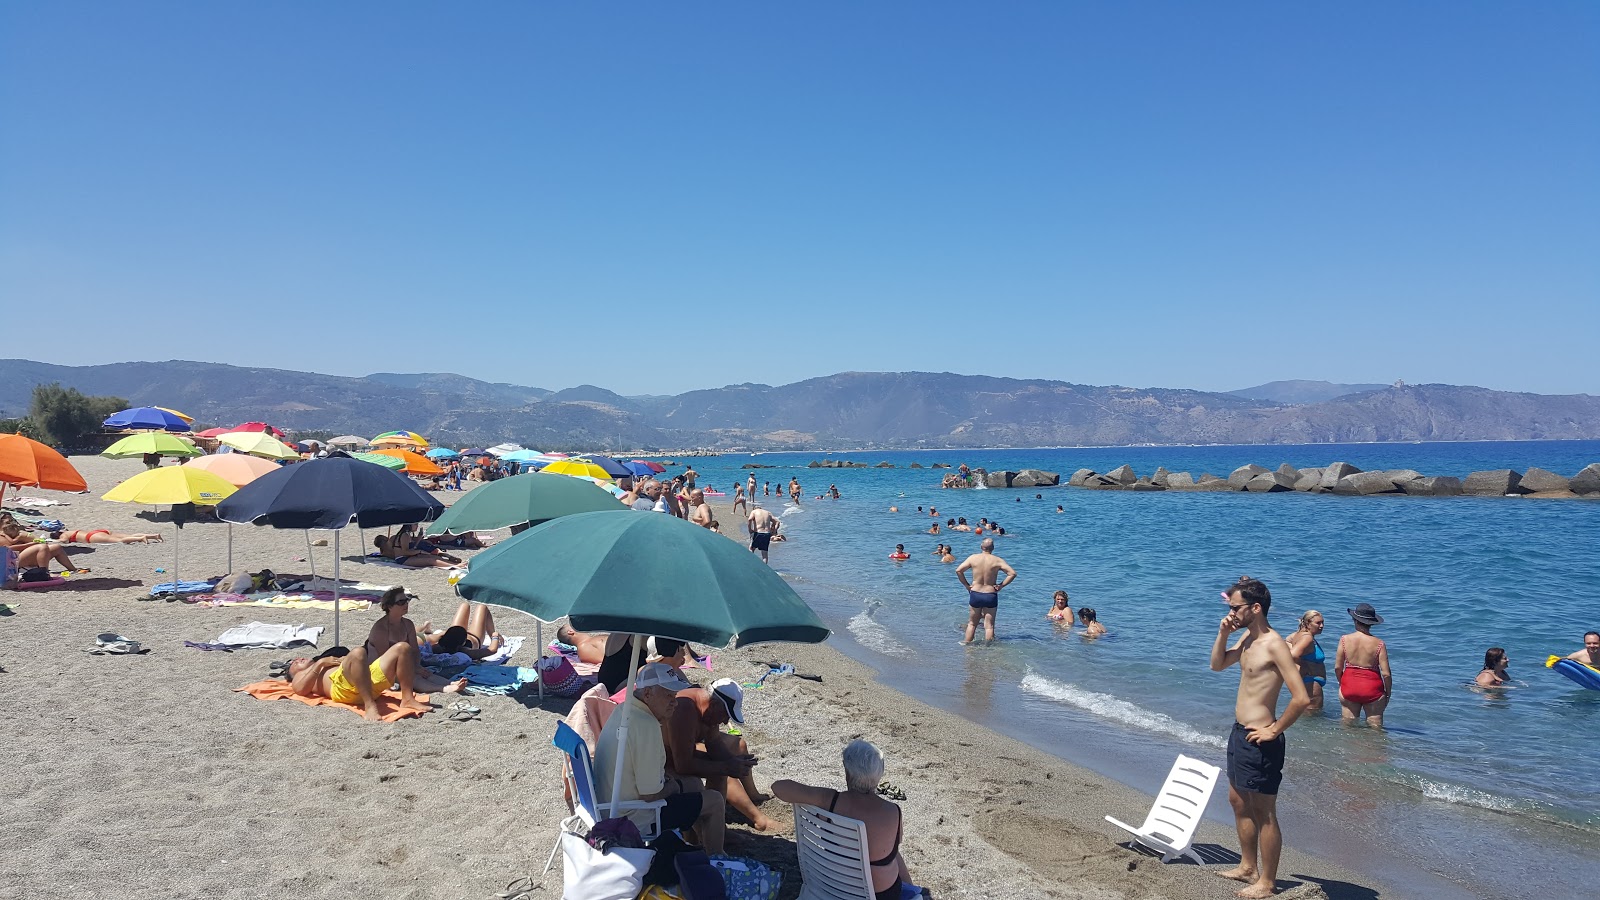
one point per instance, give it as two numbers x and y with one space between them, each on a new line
1433 486
1215 484
915 466
1334 472
1035 478
998 479
1537 480
1080 477
1160 476
1293 473
1401 476
1492 483
1366 483
1123 475
1269 483
1179 480
1587 481
1242 475
1551 495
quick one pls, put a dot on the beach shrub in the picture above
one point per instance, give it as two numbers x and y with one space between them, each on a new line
23 426
64 416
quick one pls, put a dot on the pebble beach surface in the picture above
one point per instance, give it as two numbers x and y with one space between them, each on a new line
151 776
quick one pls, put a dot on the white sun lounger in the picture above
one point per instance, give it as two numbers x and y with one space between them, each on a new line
1171 824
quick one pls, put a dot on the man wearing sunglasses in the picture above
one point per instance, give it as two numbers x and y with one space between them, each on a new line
1256 745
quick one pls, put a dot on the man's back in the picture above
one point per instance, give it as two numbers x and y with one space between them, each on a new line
984 566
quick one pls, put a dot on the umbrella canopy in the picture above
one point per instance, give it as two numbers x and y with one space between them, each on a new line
612 467
25 461
652 466
441 453
576 467
476 451
147 418
639 468
260 426
330 493
150 442
531 498
189 419
609 487
503 449
520 456
642 574
238 469
212 432
172 485
348 440
416 463
377 459
258 443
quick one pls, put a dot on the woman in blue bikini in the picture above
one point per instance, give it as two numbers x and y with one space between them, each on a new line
1308 653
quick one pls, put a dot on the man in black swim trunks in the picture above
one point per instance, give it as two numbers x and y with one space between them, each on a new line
983 594
1256 744
763 525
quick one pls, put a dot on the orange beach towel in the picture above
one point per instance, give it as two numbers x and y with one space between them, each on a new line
388 701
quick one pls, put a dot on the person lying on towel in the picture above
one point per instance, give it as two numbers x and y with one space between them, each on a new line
354 681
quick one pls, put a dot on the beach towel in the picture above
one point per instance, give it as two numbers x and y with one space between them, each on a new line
346 588
496 680
589 714
388 701
508 648
283 601
182 587
35 502
257 635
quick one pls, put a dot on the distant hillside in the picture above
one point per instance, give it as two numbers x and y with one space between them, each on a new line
851 409
1299 392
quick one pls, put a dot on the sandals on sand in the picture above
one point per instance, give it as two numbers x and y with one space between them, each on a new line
887 789
461 711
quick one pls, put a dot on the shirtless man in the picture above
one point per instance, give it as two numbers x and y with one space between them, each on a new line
1256 744
351 679
794 490
689 475
698 748
763 525
738 498
983 593
1590 654
699 509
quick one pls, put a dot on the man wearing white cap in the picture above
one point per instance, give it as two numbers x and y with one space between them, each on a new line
649 705
697 747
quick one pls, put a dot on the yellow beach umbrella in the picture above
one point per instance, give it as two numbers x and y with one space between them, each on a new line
579 467
189 419
170 486
402 439
258 443
415 463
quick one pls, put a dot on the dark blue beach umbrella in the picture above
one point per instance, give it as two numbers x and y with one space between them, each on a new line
639 469
331 493
613 468
476 451
146 417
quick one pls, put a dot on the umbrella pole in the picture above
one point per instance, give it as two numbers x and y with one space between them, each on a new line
622 735
313 557
538 637
335 585
230 548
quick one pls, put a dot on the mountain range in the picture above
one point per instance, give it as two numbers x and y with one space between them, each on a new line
847 410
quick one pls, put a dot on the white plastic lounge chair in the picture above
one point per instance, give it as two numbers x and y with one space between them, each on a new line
833 856
1170 826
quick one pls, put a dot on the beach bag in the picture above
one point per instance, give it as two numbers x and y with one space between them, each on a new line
697 878
560 678
8 565
747 879
616 873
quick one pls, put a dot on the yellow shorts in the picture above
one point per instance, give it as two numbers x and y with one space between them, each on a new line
340 690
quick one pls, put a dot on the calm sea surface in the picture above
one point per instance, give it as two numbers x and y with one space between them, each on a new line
1458 770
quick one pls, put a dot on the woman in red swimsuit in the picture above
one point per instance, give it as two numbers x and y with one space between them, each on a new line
1362 667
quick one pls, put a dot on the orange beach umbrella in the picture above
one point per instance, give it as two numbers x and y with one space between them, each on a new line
416 463
24 461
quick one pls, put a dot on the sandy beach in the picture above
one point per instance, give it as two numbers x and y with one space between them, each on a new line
151 776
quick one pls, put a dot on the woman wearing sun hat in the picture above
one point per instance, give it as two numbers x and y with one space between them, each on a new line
1362 667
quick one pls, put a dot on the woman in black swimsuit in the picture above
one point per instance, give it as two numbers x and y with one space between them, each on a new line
863 769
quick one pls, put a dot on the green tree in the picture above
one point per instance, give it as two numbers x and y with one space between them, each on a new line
23 426
64 416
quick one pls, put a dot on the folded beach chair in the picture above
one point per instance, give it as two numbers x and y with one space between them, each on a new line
833 857
586 805
1171 824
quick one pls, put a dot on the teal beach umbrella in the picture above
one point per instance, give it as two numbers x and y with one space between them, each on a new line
531 498
642 573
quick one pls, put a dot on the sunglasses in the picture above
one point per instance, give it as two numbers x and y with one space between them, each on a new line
1239 607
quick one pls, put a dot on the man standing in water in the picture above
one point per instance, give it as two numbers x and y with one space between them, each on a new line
763 525
983 594
1256 744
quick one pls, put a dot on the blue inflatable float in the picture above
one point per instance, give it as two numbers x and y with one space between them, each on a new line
1586 676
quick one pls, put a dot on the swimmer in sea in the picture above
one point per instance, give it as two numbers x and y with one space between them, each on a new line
1308 654
899 552
1362 666
1091 623
1494 668
1059 509
1060 609
934 529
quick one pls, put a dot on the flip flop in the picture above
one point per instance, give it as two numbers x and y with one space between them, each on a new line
887 789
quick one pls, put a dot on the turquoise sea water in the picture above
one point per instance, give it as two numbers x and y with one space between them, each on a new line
1457 770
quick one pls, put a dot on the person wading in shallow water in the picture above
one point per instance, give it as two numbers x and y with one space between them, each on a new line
1256 744
983 594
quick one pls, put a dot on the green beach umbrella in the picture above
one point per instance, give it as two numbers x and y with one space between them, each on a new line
642 573
378 459
150 442
530 498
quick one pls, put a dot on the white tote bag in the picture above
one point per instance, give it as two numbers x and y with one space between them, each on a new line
588 874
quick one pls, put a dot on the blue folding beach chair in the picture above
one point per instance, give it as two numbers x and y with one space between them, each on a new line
586 806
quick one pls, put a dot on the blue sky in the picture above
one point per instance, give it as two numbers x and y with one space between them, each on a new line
656 198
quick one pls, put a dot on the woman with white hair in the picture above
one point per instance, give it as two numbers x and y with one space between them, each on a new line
863 769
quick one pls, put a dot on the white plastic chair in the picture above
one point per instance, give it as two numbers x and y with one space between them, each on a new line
1171 824
833 856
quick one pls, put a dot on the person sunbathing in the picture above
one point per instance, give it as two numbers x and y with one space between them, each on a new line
471 632
863 769
353 680
394 628
416 559
31 553
104 536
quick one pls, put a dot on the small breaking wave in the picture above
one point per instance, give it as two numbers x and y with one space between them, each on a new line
1117 710
871 634
1465 796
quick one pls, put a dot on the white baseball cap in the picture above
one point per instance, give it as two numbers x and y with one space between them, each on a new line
661 675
